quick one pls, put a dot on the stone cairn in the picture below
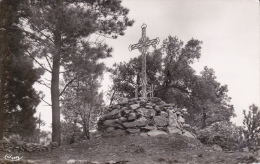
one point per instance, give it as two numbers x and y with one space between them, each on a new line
20 146
144 116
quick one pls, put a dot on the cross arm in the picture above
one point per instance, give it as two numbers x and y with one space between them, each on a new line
147 43
152 42
134 46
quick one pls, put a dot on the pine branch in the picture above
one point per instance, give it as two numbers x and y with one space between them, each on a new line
44 84
67 85
30 55
33 35
43 33
48 62
48 104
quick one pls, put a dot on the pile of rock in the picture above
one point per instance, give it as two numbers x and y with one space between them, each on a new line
20 146
144 116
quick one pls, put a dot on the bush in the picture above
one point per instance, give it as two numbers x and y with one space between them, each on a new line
225 134
70 133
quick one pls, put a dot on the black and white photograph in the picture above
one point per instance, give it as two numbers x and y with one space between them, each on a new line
129 81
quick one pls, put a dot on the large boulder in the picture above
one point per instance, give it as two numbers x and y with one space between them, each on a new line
160 121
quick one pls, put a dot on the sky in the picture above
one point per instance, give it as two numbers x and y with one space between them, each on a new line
229 30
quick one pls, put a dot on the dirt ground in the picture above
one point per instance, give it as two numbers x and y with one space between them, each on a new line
134 149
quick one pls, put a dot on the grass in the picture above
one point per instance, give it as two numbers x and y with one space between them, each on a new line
135 149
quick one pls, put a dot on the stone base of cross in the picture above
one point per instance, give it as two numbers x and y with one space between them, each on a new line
142 46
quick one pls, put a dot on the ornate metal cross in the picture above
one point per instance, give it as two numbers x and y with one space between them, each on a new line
142 46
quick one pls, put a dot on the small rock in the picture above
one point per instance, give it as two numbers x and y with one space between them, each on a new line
173 119
144 134
117 132
164 114
113 114
71 161
111 162
160 121
146 112
109 122
134 106
188 134
131 116
110 129
148 106
156 133
133 130
143 99
194 156
186 126
174 130
52 144
216 148
149 128
124 108
123 101
181 120
245 149
157 108
168 105
122 119
137 123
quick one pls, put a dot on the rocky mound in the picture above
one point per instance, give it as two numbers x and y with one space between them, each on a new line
144 116
20 146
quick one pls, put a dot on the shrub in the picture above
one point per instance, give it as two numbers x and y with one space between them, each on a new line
225 134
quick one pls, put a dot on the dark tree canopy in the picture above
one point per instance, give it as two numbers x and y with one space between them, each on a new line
18 99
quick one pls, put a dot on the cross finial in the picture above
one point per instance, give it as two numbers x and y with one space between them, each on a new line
144 25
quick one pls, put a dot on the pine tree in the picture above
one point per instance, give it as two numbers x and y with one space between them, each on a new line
61 28
18 99
251 126
81 101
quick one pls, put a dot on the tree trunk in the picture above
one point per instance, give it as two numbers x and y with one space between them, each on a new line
2 82
204 117
86 129
56 136
55 94
2 87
